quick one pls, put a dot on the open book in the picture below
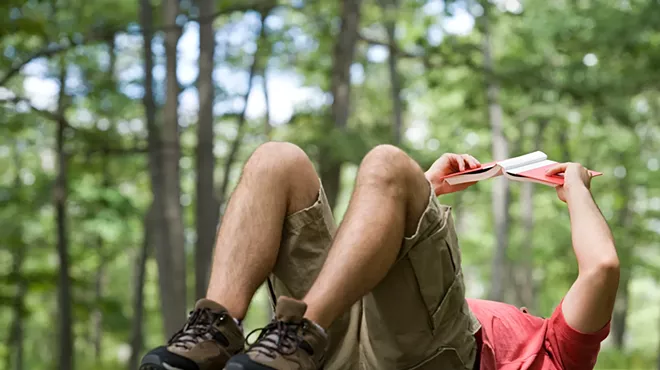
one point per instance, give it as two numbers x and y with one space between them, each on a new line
529 167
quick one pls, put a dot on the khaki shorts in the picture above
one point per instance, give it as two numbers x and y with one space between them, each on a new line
415 318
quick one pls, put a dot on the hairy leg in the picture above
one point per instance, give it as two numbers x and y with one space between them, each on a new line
277 180
390 195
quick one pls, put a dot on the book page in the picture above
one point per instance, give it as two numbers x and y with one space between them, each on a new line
523 160
530 166
472 177
545 181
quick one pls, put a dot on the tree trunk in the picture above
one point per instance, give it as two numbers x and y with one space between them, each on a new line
658 347
65 342
390 8
526 281
624 224
158 240
563 145
207 206
153 238
16 335
267 126
344 50
137 335
97 315
174 296
235 145
620 314
501 192
19 334
16 331
527 293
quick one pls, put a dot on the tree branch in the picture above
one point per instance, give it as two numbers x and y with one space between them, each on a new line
374 41
46 113
45 52
231 157
262 7
50 50
118 151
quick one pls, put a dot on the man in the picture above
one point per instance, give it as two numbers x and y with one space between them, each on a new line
385 292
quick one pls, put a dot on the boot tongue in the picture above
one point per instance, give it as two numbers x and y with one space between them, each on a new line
289 309
211 305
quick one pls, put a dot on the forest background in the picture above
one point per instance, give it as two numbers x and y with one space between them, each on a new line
124 126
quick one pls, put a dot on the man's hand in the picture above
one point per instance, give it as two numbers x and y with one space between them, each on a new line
447 164
575 177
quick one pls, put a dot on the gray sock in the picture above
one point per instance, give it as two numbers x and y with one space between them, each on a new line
319 327
239 323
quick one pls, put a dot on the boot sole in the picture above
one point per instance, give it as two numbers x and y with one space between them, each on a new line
151 367
154 363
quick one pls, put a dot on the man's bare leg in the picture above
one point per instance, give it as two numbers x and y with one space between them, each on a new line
390 196
278 180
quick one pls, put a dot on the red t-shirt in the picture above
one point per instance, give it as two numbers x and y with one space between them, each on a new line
512 339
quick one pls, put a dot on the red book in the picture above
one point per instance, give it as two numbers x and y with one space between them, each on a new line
527 168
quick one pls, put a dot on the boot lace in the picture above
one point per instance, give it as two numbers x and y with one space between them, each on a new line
199 327
278 337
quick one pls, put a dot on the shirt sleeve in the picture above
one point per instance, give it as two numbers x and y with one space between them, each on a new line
570 347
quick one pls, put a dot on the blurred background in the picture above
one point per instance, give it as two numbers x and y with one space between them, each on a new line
124 126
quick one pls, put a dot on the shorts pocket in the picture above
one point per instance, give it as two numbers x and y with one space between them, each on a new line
450 316
433 263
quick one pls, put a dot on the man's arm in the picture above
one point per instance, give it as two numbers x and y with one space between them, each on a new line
588 305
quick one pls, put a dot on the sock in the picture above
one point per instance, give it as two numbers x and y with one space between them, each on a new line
239 323
319 327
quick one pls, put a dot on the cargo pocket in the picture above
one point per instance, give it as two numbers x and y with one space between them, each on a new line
450 314
436 264
407 310
436 271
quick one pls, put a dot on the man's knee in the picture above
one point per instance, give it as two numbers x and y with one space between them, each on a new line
390 169
388 165
278 157
287 167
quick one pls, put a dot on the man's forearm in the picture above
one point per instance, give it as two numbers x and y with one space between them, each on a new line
592 239
588 305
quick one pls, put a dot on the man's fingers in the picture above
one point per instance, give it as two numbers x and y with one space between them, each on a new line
461 163
558 168
472 162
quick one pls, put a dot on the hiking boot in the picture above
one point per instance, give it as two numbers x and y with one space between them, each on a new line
288 342
206 342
